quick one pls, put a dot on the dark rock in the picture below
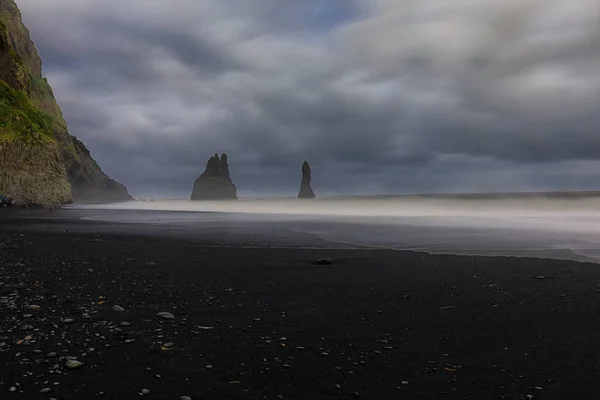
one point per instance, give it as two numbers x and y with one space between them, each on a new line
306 191
325 261
215 182
165 315
89 184
5 201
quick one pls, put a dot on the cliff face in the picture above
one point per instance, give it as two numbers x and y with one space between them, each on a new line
88 183
306 191
33 173
215 182
31 167
40 162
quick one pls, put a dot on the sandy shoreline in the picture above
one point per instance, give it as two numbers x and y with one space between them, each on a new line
377 324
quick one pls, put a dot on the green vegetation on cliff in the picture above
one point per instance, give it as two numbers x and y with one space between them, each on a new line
42 96
20 119
19 69
10 17
19 72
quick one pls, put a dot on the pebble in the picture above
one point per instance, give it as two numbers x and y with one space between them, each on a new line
325 261
68 320
34 307
73 364
145 391
209 366
118 308
45 390
165 315
185 398
125 324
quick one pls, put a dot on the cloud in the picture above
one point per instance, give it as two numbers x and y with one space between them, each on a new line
384 96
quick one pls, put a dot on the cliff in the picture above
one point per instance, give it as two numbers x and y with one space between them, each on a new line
306 191
40 162
215 182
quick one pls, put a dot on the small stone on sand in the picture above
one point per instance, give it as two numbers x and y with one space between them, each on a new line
165 315
73 364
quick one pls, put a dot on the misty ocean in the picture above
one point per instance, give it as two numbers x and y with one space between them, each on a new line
560 226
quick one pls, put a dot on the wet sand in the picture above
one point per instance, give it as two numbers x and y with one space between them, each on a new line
259 322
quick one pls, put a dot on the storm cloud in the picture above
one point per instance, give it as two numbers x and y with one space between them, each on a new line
385 96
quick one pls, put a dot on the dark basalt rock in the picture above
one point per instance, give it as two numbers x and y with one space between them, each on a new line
306 191
215 182
5 201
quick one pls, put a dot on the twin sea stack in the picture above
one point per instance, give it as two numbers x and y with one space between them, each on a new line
40 162
215 182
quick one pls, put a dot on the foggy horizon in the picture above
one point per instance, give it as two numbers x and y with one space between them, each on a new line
456 205
567 195
534 226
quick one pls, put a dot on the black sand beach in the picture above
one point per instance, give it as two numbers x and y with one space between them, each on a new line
268 323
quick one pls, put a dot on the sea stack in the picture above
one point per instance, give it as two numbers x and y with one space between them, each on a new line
215 182
306 191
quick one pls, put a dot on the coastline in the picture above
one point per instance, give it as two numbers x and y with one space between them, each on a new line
551 236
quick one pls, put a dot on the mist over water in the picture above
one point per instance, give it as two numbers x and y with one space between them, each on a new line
533 225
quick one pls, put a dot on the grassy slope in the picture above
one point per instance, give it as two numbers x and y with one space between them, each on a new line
20 119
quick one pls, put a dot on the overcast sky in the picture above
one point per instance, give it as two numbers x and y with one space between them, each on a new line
380 96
